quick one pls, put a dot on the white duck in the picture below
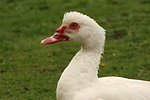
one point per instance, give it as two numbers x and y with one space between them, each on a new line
79 81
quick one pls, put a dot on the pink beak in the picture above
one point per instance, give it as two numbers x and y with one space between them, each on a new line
57 37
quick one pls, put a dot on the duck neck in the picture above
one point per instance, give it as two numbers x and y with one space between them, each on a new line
79 74
86 63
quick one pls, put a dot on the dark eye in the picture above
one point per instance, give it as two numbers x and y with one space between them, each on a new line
74 26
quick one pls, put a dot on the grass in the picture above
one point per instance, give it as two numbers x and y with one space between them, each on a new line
30 71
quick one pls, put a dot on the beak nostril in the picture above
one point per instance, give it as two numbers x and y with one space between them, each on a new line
56 36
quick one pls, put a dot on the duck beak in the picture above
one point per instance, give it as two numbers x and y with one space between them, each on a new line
57 37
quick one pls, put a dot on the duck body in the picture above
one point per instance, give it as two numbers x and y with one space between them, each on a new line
83 84
79 81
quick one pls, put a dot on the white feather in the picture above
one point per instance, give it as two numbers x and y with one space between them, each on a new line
79 81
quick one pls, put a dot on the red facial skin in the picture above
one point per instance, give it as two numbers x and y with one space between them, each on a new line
59 35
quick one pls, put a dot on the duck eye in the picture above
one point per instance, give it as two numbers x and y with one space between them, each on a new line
74 26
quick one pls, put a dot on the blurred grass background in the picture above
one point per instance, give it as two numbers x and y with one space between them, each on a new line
30 71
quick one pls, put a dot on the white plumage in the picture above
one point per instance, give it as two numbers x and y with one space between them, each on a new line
79 81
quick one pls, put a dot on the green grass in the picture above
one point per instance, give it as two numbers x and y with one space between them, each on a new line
30 71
